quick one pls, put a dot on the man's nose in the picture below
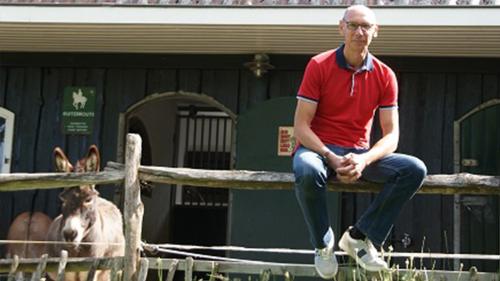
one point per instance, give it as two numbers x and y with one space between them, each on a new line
359 30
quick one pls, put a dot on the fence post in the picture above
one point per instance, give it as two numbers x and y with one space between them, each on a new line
134 208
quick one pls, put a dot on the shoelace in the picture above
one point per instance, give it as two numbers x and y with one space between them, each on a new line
370 249
325 254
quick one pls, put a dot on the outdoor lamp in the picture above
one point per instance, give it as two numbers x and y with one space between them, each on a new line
259 65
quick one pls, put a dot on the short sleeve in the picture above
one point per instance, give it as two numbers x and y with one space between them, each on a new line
310 87
389 99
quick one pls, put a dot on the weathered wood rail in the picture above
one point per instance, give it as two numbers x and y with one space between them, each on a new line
462 183
61 265
132 173
52 264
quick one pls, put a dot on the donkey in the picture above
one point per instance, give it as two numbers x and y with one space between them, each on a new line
28 226
85 217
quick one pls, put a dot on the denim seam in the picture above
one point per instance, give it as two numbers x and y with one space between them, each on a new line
367 231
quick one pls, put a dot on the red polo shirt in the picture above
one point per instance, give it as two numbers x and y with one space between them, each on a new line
347 99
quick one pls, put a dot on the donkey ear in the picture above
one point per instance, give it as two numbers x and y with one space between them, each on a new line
61 163
93 160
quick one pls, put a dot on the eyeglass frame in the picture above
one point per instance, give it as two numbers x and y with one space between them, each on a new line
358 25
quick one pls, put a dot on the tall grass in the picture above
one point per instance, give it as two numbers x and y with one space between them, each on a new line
351 271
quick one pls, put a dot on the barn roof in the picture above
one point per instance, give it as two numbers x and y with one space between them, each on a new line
283 3
224 27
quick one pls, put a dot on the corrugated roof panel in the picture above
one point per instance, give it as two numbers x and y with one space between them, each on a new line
261 2
217 39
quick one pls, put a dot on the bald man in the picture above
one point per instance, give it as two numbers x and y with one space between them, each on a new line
340 92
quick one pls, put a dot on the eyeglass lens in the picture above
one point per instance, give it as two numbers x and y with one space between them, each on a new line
354 26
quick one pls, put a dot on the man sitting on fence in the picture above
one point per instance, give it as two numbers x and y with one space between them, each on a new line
337 99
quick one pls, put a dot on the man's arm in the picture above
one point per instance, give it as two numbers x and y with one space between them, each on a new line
389 121
304 114
354 164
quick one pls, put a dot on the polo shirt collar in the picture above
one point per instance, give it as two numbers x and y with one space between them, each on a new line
342 62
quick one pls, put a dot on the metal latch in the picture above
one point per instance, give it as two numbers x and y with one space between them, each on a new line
469 162
406 240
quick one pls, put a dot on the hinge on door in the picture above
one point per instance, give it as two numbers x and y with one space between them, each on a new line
470 162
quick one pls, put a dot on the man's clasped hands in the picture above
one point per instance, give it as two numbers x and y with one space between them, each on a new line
348 167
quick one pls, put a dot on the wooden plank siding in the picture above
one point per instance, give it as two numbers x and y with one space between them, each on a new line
433 93
161 81
23 97
447 166
252 90
3 78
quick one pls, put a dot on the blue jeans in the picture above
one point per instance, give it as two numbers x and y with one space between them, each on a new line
402 174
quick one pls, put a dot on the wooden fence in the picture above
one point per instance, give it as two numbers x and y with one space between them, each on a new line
61 265
131 174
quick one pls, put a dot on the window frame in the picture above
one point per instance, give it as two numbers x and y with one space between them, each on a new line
9 117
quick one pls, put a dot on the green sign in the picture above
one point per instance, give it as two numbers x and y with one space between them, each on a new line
78 110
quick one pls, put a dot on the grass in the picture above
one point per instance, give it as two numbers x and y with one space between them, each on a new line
353 272
411 272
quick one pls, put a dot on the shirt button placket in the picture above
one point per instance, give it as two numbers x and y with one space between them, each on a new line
353 80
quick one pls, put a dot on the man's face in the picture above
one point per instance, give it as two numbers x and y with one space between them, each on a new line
358 27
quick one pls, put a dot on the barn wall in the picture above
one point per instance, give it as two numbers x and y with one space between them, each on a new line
434 93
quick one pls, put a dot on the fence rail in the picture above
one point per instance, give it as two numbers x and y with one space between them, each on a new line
73 264
132 173
463 183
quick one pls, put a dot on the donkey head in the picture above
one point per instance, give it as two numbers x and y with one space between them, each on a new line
79 203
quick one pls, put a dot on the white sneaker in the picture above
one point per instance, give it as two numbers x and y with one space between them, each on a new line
363 252
325 261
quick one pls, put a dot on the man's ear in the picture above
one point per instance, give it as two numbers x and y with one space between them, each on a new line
375 32
341 27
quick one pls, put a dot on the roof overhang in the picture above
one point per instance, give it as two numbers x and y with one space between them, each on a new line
404 31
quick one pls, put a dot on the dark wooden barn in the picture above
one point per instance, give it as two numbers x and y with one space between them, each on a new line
179 80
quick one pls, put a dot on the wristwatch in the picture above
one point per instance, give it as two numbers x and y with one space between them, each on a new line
325 156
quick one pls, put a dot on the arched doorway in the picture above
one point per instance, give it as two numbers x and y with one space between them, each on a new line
183 130
477 151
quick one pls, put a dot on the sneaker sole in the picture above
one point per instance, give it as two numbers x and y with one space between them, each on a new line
336 269
329 277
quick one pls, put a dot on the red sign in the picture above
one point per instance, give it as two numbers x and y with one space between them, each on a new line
286 141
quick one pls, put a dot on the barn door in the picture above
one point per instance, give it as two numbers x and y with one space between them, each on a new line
270 218
480 154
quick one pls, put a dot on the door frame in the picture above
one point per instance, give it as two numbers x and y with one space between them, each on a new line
122 119
456 169
9 117
200 97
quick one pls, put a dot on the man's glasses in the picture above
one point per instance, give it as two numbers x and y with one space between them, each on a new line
354 26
